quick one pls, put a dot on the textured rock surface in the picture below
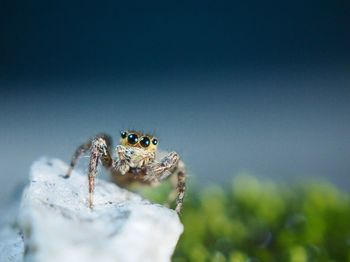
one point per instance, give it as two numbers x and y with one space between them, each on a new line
58 226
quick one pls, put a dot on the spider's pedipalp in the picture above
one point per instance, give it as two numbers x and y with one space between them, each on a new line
132 158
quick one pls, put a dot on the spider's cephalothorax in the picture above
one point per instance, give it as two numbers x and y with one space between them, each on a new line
137 139
137 161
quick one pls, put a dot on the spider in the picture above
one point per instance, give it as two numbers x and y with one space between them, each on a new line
137 161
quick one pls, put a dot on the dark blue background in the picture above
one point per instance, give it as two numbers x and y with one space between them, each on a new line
79 38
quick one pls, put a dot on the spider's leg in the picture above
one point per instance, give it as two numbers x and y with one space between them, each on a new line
181 185
173 192
98 151
77 154
82 149
170 164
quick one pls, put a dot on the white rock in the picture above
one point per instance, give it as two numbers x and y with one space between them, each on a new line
58 226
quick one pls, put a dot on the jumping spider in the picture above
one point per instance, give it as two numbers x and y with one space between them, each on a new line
137 161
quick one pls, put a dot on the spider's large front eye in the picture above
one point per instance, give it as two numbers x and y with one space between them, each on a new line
132 139
154 141
123 134
144 141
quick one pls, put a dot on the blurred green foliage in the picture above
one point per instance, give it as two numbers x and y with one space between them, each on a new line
254 220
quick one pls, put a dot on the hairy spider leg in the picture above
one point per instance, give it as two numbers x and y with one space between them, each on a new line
82 149
98 151
169 165
181 186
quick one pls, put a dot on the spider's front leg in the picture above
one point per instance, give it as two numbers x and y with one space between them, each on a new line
82 149
170 164
98 151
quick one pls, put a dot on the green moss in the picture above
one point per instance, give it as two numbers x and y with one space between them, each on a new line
257 220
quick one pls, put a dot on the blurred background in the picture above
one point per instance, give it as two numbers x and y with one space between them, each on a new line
236 87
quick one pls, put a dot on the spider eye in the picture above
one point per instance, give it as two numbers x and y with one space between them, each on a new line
144 141
123 134
154 141
132 139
